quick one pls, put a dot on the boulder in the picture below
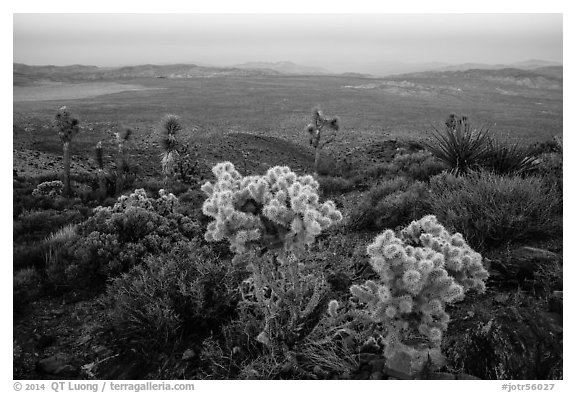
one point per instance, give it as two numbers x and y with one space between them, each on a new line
511 343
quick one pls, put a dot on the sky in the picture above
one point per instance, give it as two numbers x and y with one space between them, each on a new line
337 42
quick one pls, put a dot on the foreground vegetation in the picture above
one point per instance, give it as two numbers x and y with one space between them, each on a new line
366 270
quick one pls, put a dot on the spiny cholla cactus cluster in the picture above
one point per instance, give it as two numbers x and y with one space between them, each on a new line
277 209
49 189
420 272
268 220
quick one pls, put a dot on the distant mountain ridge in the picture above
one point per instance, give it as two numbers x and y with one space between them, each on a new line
284 67
549 77
24 73
523 65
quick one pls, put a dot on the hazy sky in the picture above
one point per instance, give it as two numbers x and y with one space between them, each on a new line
337 42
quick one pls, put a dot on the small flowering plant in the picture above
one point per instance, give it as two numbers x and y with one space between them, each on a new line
269 220
420 271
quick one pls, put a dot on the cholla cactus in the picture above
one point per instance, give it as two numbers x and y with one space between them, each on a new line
270 211
268 221
67 128
319 124
49 189
420 272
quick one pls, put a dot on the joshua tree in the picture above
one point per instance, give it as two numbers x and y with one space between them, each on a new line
321 123
171 125
121 158
101 176
67 128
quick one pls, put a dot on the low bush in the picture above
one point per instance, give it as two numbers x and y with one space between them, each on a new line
117 238
505 157
182 294
490 209
551 169
421 165
37 224
393 202
26 286
49 189
334 185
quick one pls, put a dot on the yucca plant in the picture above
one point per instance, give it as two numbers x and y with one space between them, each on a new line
171 125
459 146
505 157
67 128
319 125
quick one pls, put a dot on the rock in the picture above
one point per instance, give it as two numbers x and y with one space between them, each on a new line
442 376
521 264
188 354
377 375
511 343
50 365
363 374
534 254
102 352
555 303
56 365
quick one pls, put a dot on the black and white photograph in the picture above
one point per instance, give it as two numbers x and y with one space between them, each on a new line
287 196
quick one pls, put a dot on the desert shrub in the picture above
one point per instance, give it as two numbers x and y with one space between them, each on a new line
28 254
505 157
377 171
420 165
182 294
420 272
546 147
458 146
334 185
49 189
116 238
551 169
37 224
26 286
490 209
389 204
58 254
